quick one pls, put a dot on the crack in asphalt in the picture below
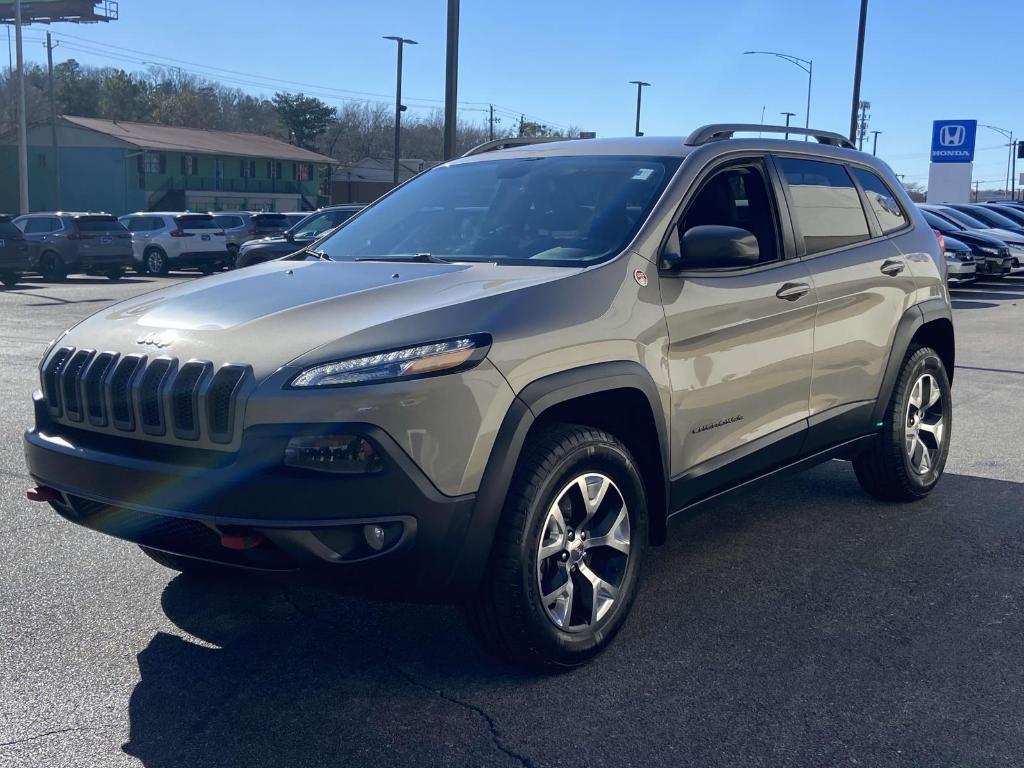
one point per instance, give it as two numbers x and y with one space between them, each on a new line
492 725
45 735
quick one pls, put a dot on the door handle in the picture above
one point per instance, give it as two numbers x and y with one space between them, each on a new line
792 291
892 267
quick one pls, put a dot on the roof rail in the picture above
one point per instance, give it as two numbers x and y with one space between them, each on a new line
512 141
718 131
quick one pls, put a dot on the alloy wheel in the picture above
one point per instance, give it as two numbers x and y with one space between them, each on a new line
925 424
583 552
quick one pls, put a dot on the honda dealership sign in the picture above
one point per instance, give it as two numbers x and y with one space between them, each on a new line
953 141
949 175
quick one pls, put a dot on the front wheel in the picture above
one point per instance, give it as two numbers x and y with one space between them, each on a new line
52 268
9 278
566 559
207 269
114 274
906 459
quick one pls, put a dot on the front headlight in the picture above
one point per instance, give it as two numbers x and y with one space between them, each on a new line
420 361
989 251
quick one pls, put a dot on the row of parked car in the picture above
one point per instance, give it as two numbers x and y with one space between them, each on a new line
57 244
980 239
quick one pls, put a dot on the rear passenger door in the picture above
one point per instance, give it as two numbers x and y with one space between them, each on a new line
843 232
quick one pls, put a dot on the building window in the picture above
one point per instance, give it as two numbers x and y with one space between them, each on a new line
154 162
273 169
189 165
248 169
303 171
41 160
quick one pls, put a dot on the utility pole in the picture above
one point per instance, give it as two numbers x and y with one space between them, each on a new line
53 121
1013 173
490 122
640 85
976 190
858 68
522 120
787 115
862 130
874 146
402 41
22 125
451 81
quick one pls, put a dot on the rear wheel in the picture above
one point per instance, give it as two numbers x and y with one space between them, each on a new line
566 559
52 268
9 278
207 269
907 458
156 261
114 274
232 256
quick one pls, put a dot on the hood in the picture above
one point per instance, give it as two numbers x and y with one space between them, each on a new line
978 238
1006 235
953 244
269 314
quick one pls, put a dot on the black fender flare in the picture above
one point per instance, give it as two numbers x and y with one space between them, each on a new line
910 323
534 399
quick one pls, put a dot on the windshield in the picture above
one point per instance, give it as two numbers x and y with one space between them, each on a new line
938 222
318 223
993 218
559 211
1010 213
962 218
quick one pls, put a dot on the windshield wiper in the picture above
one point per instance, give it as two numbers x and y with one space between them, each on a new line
422 258
319 254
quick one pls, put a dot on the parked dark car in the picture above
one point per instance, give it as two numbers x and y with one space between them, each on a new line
1013 238
1014 213
306 232
14 252
991 216
961 267
84 243
991 253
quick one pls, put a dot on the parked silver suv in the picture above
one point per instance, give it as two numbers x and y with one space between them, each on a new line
65 243
162 241
500 382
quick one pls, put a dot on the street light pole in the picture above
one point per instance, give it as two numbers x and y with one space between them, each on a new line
402 41
858 68
22 125
874 146
451 80
1009 159
807 65
640 85
787 115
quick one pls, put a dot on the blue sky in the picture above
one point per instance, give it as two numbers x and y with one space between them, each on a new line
569 61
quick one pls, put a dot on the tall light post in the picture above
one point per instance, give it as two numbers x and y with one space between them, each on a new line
1009 160
402 42
787 115
640 85
22 125
451 81
858 68
874 145
806 65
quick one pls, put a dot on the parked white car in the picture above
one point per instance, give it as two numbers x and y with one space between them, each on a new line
162 241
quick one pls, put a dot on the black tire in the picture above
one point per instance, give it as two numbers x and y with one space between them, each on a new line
10 279
156 261
187 565
114 274
207 269
52 268
232 256
508 614
886 469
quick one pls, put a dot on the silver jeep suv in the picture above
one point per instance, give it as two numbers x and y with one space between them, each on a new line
499 383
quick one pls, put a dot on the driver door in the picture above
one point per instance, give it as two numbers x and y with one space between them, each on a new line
740 340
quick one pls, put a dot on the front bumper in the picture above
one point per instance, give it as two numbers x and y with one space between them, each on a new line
184 501
959 272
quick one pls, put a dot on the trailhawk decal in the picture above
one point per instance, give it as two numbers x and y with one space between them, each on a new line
716 424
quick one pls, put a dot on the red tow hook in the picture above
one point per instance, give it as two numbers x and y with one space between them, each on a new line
240 539
43 493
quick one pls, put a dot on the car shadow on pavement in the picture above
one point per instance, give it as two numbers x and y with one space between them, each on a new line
773 621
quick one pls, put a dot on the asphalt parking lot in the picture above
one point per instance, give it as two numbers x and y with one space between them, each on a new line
799 624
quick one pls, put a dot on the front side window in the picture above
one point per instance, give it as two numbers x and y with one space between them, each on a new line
882 201
737 197
561 211
318 224
36 226
826 204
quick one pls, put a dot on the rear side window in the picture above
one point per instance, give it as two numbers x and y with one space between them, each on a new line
826 204
98 224
882 201
197 222
228 222
37 226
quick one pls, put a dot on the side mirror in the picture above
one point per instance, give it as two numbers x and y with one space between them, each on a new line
711 246
289 236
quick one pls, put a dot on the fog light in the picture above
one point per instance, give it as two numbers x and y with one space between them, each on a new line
374 536
342 454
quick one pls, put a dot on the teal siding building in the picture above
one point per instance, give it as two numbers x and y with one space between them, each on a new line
119 167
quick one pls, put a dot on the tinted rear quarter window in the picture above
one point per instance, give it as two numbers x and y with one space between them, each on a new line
7 229
197 222
826 204
882 201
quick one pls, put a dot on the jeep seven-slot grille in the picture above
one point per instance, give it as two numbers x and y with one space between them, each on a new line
131 393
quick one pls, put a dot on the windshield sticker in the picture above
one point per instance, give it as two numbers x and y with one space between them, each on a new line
643 174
